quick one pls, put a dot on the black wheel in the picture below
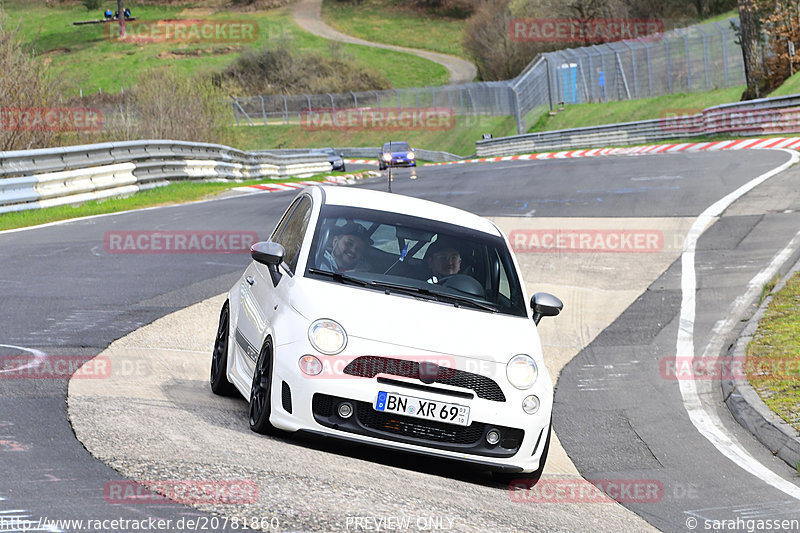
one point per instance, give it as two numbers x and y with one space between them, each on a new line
344 169
532 478
219 359
260 407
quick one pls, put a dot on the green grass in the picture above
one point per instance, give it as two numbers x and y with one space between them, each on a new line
83 57
790 86
773 356
383 21
180 192
581 115
460 140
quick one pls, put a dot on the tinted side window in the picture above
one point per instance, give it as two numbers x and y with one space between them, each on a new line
290 233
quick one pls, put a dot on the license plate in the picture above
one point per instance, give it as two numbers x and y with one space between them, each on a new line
449 413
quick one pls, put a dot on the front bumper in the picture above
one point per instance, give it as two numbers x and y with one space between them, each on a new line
303 403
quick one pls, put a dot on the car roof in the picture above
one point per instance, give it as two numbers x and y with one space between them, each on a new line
406 205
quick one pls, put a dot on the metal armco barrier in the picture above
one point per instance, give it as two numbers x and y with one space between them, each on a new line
755 117
32 179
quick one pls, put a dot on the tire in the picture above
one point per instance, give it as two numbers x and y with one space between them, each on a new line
219 357
532 478
260 390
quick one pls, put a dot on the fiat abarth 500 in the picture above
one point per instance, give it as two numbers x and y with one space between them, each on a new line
391 321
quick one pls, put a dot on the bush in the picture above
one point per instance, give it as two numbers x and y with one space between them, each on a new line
24 87
279 69
92 5
165 105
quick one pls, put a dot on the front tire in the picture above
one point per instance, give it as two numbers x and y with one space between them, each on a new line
260 391
219 358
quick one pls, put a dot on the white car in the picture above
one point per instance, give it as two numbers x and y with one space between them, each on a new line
342 326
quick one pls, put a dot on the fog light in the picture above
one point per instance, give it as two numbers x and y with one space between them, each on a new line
493 437
345 410
310 365
530 404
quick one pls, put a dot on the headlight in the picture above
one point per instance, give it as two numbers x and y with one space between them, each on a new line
411 155
387 157
327 336
521 371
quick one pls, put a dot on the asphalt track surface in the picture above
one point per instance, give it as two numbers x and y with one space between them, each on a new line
63 294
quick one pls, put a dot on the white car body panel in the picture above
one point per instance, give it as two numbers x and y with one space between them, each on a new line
384 325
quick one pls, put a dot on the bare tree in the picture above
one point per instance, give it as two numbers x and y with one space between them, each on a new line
121 11
750 24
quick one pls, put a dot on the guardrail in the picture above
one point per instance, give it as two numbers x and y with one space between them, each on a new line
372 153
755 117
31 179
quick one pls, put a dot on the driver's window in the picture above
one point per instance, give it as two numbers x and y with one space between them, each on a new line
290 234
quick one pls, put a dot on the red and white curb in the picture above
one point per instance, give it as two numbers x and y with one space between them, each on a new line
361 161
346 179
740 144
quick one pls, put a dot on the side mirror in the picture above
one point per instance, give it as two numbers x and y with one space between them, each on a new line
545 304
271 254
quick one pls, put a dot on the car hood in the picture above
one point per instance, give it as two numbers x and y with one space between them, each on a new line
417 324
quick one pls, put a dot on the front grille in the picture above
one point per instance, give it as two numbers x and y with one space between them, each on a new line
367 421
420 429
369 366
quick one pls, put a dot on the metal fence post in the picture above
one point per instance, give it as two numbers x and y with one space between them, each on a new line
723 36
355 100
649 69
549 85
688 60
669 65
635 76
263 111
705 55
515 103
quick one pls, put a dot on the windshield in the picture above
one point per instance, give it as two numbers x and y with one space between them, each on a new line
396 147
417 257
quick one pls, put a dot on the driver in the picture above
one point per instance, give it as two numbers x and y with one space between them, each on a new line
347 249
443 259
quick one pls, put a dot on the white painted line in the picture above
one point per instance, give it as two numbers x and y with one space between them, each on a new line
706 421
38 358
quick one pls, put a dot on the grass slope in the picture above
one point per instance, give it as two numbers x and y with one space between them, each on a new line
382 21
83 57
580 115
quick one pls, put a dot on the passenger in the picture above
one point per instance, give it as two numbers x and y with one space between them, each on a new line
443 258
347 249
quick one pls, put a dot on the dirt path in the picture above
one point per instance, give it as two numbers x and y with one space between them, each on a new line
307 15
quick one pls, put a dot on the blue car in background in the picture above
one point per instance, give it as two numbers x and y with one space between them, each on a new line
396 154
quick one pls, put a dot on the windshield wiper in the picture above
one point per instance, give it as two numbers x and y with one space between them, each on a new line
436 295
338 276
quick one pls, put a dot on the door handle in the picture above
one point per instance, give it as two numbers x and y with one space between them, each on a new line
250 280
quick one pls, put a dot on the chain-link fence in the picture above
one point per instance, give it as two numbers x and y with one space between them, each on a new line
697 58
